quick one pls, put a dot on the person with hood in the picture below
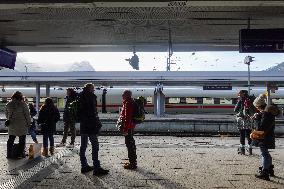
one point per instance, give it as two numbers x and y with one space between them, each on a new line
47 118
17 112
244 123
90 126
69 122
265 121
128 129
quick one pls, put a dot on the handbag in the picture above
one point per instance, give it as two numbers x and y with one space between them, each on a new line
257 135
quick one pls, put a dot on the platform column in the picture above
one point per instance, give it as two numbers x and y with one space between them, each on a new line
37 96
159 101
268 94
47 86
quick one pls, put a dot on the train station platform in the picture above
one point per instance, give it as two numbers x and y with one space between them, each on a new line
163 162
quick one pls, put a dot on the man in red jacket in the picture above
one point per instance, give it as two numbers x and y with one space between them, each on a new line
128 130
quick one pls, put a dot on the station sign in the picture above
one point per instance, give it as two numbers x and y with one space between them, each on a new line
218 87
261 40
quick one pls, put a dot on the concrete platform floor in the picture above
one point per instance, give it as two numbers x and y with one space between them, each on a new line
163 162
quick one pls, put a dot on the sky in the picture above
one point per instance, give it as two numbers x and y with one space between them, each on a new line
149 61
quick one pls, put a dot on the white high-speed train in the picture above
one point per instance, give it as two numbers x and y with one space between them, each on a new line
178 99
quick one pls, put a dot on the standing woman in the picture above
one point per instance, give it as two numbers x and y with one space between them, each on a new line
17 112
265 121
48 117
243 121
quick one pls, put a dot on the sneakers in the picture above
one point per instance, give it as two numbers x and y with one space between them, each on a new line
263 175
241 151
270 170
130 166
60 145
87 169
100 172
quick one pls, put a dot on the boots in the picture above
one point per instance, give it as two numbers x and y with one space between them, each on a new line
270 170
130 165
9 152
263 175
250 151
44 152
51 150
241 150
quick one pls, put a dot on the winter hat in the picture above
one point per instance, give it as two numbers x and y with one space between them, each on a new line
260 100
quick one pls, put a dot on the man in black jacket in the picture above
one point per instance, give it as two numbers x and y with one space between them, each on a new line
89 127
69 123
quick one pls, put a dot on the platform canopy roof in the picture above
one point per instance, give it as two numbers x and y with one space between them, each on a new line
70 25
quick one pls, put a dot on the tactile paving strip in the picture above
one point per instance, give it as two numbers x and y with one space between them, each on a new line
25 175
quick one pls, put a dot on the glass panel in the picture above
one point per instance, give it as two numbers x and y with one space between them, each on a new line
174 100
191 100
225 101
278 100
208 101
149 100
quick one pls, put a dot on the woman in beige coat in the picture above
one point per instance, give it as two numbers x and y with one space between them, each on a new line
17 111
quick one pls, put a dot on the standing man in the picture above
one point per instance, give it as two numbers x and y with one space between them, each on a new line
69 122
90 126
128 129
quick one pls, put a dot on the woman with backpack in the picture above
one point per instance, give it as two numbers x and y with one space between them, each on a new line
48 117
243 119
265 123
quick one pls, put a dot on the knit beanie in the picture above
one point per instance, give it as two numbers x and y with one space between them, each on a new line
260 100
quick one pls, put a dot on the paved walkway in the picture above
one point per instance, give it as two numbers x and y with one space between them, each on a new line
163 162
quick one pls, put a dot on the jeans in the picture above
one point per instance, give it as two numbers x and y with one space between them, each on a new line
32 132
266 158
10 143
47 136
95 150
131 147
245 133
68 125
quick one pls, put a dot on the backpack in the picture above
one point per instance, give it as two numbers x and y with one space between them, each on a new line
74 109
138 110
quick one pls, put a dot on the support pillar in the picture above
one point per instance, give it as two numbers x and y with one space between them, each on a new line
37 96
268 92
159 101
47 93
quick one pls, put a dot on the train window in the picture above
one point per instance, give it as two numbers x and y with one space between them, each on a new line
225 101
191 100
278 100
208 100
149 100
174 100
